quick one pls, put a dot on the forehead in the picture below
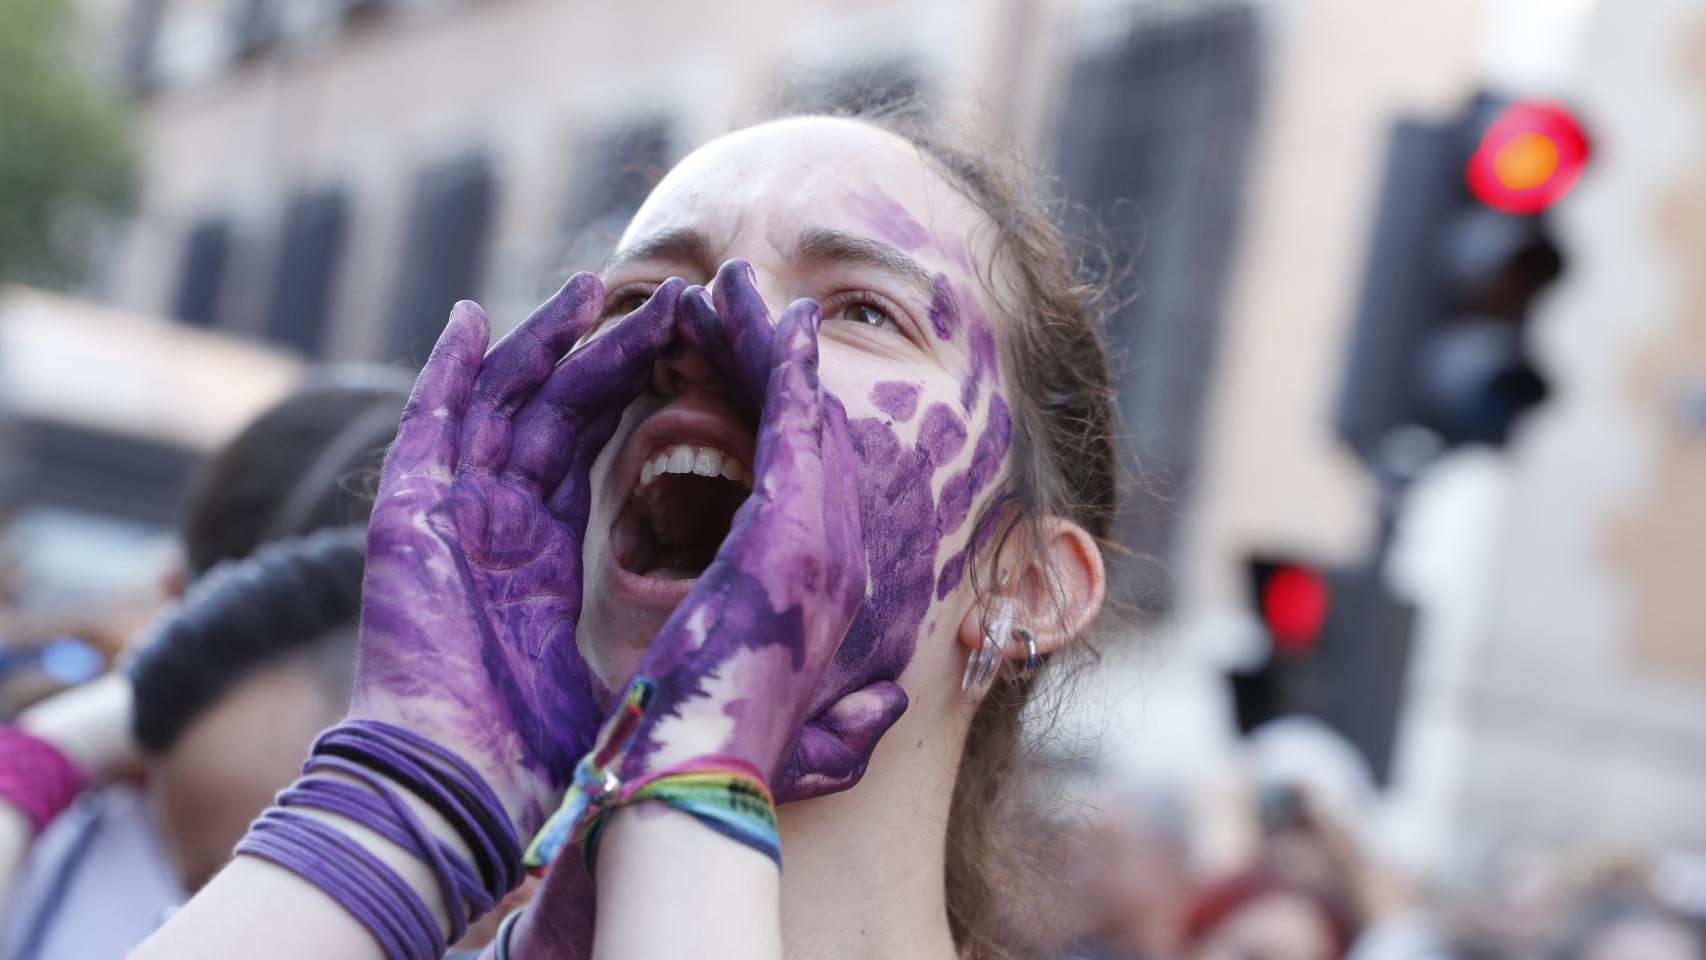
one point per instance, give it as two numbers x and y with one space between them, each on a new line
767 183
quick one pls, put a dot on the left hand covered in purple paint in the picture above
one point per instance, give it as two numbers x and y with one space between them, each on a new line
736 664
473 581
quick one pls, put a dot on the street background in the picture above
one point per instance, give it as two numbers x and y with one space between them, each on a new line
247 188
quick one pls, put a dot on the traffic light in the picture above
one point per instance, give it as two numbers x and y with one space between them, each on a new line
1291 600
1459 252
1338 648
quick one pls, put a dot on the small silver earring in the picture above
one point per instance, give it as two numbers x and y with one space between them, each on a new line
1032 660
982 662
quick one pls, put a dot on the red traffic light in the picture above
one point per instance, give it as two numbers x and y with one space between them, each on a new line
1530 155
1294 607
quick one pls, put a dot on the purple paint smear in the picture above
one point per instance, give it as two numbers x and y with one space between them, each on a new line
887 219
897 398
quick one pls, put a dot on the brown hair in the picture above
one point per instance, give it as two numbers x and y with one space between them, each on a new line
1063 462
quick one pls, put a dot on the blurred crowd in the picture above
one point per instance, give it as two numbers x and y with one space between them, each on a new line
1309 886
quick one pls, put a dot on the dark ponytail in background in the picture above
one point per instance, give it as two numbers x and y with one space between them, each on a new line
295 598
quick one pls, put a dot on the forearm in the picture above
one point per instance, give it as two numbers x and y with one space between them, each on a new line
351 864
257 909
41 773
670 887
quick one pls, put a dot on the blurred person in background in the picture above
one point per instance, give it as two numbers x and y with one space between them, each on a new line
1619 924
296 469
1260 916
1129 878
225 694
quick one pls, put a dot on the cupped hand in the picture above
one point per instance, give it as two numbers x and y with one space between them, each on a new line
733 331
473 580
735 665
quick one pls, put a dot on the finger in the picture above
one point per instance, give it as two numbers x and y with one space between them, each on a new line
702 331
520 363
571 501
790 426
432 419
785 512
843 534
605 374
746 324
835 747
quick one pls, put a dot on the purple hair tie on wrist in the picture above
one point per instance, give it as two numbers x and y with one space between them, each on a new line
354 772
36 777
444 781
353 876
373 805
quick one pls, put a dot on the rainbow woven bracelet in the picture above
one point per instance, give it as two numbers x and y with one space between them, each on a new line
724 793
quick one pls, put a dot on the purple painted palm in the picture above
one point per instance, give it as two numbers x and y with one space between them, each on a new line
473 582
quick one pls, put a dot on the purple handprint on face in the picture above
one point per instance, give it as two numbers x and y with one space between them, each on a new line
473 581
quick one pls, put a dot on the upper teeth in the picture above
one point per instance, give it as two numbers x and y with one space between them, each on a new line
704 461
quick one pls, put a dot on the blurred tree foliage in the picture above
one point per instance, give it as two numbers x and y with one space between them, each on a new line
65 152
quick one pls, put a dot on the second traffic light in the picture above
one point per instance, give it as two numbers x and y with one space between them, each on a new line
1460 250
1338 648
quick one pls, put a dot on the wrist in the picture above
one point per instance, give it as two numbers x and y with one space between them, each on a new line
36 778
386 822
90 725
498 760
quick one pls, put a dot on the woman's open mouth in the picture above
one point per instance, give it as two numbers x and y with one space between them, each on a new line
680 511
687 468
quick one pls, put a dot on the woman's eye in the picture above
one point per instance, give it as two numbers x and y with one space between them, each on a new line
868 314
625 304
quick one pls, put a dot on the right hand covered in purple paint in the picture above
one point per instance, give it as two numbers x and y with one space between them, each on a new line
473 581
737 337
736 664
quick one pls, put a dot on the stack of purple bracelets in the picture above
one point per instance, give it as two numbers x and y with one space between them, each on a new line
377 756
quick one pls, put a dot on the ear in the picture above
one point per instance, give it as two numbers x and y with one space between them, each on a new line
1056 587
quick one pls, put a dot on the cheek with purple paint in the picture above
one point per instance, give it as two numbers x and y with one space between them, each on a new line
930 453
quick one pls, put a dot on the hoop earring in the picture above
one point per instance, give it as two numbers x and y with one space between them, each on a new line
981 663
1032 660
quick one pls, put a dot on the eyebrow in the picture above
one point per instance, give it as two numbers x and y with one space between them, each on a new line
676 245
821 244
687 245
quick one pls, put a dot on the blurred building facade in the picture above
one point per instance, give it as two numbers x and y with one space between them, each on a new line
328 176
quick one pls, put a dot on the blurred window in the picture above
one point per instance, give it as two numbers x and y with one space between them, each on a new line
254 26
1154 141
442 250
202 275
307 269
142 31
